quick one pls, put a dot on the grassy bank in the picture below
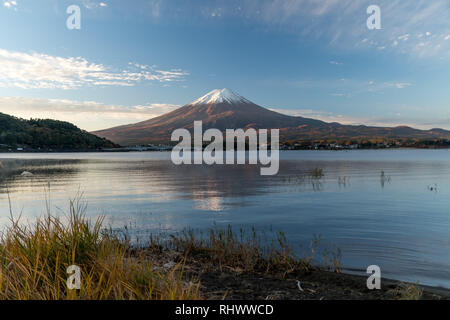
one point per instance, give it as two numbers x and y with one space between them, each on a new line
219 265
34 261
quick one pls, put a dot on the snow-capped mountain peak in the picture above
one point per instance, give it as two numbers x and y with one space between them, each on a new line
220 96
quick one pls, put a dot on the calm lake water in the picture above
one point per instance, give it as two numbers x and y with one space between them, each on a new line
399 220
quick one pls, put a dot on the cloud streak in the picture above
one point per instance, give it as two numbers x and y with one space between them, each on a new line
424 123
89 115
343 23
42 71
348 87
340 23
12 4
89 4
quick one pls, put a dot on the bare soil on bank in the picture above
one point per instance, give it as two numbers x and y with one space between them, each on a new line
229 283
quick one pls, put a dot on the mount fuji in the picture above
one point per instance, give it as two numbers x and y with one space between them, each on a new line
224 109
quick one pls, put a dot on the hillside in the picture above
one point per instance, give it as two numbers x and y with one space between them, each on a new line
47 134
224 109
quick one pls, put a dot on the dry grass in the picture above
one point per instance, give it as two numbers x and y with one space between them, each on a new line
242 251
409 291
34 262
34 259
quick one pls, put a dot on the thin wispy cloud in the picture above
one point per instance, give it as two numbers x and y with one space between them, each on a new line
41 71
89 4
341 23
401 85
348 87
393 120
89 115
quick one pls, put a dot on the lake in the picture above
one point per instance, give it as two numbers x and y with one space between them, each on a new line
390 208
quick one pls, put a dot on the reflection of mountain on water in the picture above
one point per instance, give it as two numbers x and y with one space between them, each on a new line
208 200
144 180
213 188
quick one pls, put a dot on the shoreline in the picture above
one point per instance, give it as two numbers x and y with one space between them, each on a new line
155 151
218 265
145 149
233 283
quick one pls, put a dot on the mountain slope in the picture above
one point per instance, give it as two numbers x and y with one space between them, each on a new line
47 134
224 109
221 109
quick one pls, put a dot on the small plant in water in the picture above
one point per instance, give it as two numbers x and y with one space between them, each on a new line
384 179
343 181
332 259
317 173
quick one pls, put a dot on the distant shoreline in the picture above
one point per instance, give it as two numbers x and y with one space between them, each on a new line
281 149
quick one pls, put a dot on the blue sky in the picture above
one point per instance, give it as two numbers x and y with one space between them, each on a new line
133 60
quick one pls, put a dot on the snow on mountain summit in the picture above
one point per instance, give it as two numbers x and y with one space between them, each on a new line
220 96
